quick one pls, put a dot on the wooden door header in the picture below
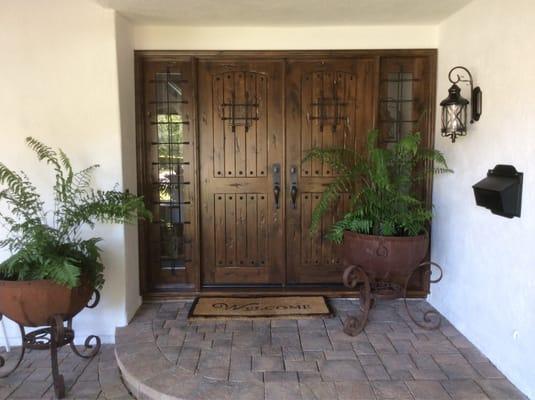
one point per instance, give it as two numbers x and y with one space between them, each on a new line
283 54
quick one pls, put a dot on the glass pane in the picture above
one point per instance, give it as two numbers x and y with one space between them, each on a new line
170 104
455 115
170 128
169 86
397 105
172 243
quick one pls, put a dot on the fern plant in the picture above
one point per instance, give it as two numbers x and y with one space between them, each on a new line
381 181
47 244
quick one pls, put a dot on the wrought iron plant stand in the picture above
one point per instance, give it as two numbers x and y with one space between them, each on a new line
52 338
370 289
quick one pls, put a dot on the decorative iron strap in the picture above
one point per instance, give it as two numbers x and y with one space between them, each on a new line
249 112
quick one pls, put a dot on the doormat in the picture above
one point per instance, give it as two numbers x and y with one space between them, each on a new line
259 307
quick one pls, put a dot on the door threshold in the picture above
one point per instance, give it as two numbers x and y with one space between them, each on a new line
327 292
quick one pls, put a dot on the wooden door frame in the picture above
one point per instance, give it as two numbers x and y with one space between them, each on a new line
140 56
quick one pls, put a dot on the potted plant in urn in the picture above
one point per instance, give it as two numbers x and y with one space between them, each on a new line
384 235
53 270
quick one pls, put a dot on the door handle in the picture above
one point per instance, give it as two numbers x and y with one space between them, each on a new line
276 183
293 194
293 189
276 192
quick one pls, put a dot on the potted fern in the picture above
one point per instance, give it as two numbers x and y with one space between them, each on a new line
52 269
385 231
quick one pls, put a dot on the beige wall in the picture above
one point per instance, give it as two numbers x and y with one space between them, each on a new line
126 84
58 80
284 38
488 290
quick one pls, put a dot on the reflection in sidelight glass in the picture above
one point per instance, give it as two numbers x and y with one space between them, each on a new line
169 168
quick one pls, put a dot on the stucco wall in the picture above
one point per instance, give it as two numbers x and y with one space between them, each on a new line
284 38
58 80
126 84
488 288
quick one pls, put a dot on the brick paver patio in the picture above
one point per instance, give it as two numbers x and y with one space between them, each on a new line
98 378
162 355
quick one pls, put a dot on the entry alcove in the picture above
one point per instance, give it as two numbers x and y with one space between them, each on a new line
220 138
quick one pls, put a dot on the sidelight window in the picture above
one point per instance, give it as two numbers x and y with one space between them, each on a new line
169 198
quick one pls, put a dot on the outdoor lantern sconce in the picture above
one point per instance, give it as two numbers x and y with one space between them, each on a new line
454 106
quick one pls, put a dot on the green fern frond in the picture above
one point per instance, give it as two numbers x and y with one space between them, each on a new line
383 202
66 162
83 178
341 184
42 251
14 181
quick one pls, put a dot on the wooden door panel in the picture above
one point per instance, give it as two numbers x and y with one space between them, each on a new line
239 150
241 131
330 103
241 231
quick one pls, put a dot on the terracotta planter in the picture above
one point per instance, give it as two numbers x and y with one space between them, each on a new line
33 303
384 257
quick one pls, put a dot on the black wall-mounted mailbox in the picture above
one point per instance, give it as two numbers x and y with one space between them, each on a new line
501 191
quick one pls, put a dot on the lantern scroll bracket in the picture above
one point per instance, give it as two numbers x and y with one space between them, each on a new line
476 94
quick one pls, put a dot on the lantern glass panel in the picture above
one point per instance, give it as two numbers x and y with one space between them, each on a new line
454 119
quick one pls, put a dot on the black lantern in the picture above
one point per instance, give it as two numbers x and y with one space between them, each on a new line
454 107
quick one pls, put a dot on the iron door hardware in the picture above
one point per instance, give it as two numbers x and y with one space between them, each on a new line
293 188
276 183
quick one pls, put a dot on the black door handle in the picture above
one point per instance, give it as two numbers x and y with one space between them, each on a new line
276 183
293 194
293 189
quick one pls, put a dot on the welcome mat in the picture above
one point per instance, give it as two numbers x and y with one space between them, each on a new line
259 307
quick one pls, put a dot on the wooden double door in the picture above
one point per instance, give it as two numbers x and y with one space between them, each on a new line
258 119
246 124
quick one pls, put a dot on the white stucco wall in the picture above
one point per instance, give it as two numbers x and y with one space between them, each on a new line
488 290
126 81
58 80
285 38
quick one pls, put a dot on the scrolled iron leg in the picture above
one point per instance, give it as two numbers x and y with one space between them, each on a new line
96 296
90 350
354 276
57 334
431 318
6 370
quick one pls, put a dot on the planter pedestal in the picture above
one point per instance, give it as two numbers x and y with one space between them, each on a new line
53 337
355 277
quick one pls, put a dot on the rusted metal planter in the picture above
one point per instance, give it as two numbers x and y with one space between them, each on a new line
375 267
32 303
48 305
384 257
